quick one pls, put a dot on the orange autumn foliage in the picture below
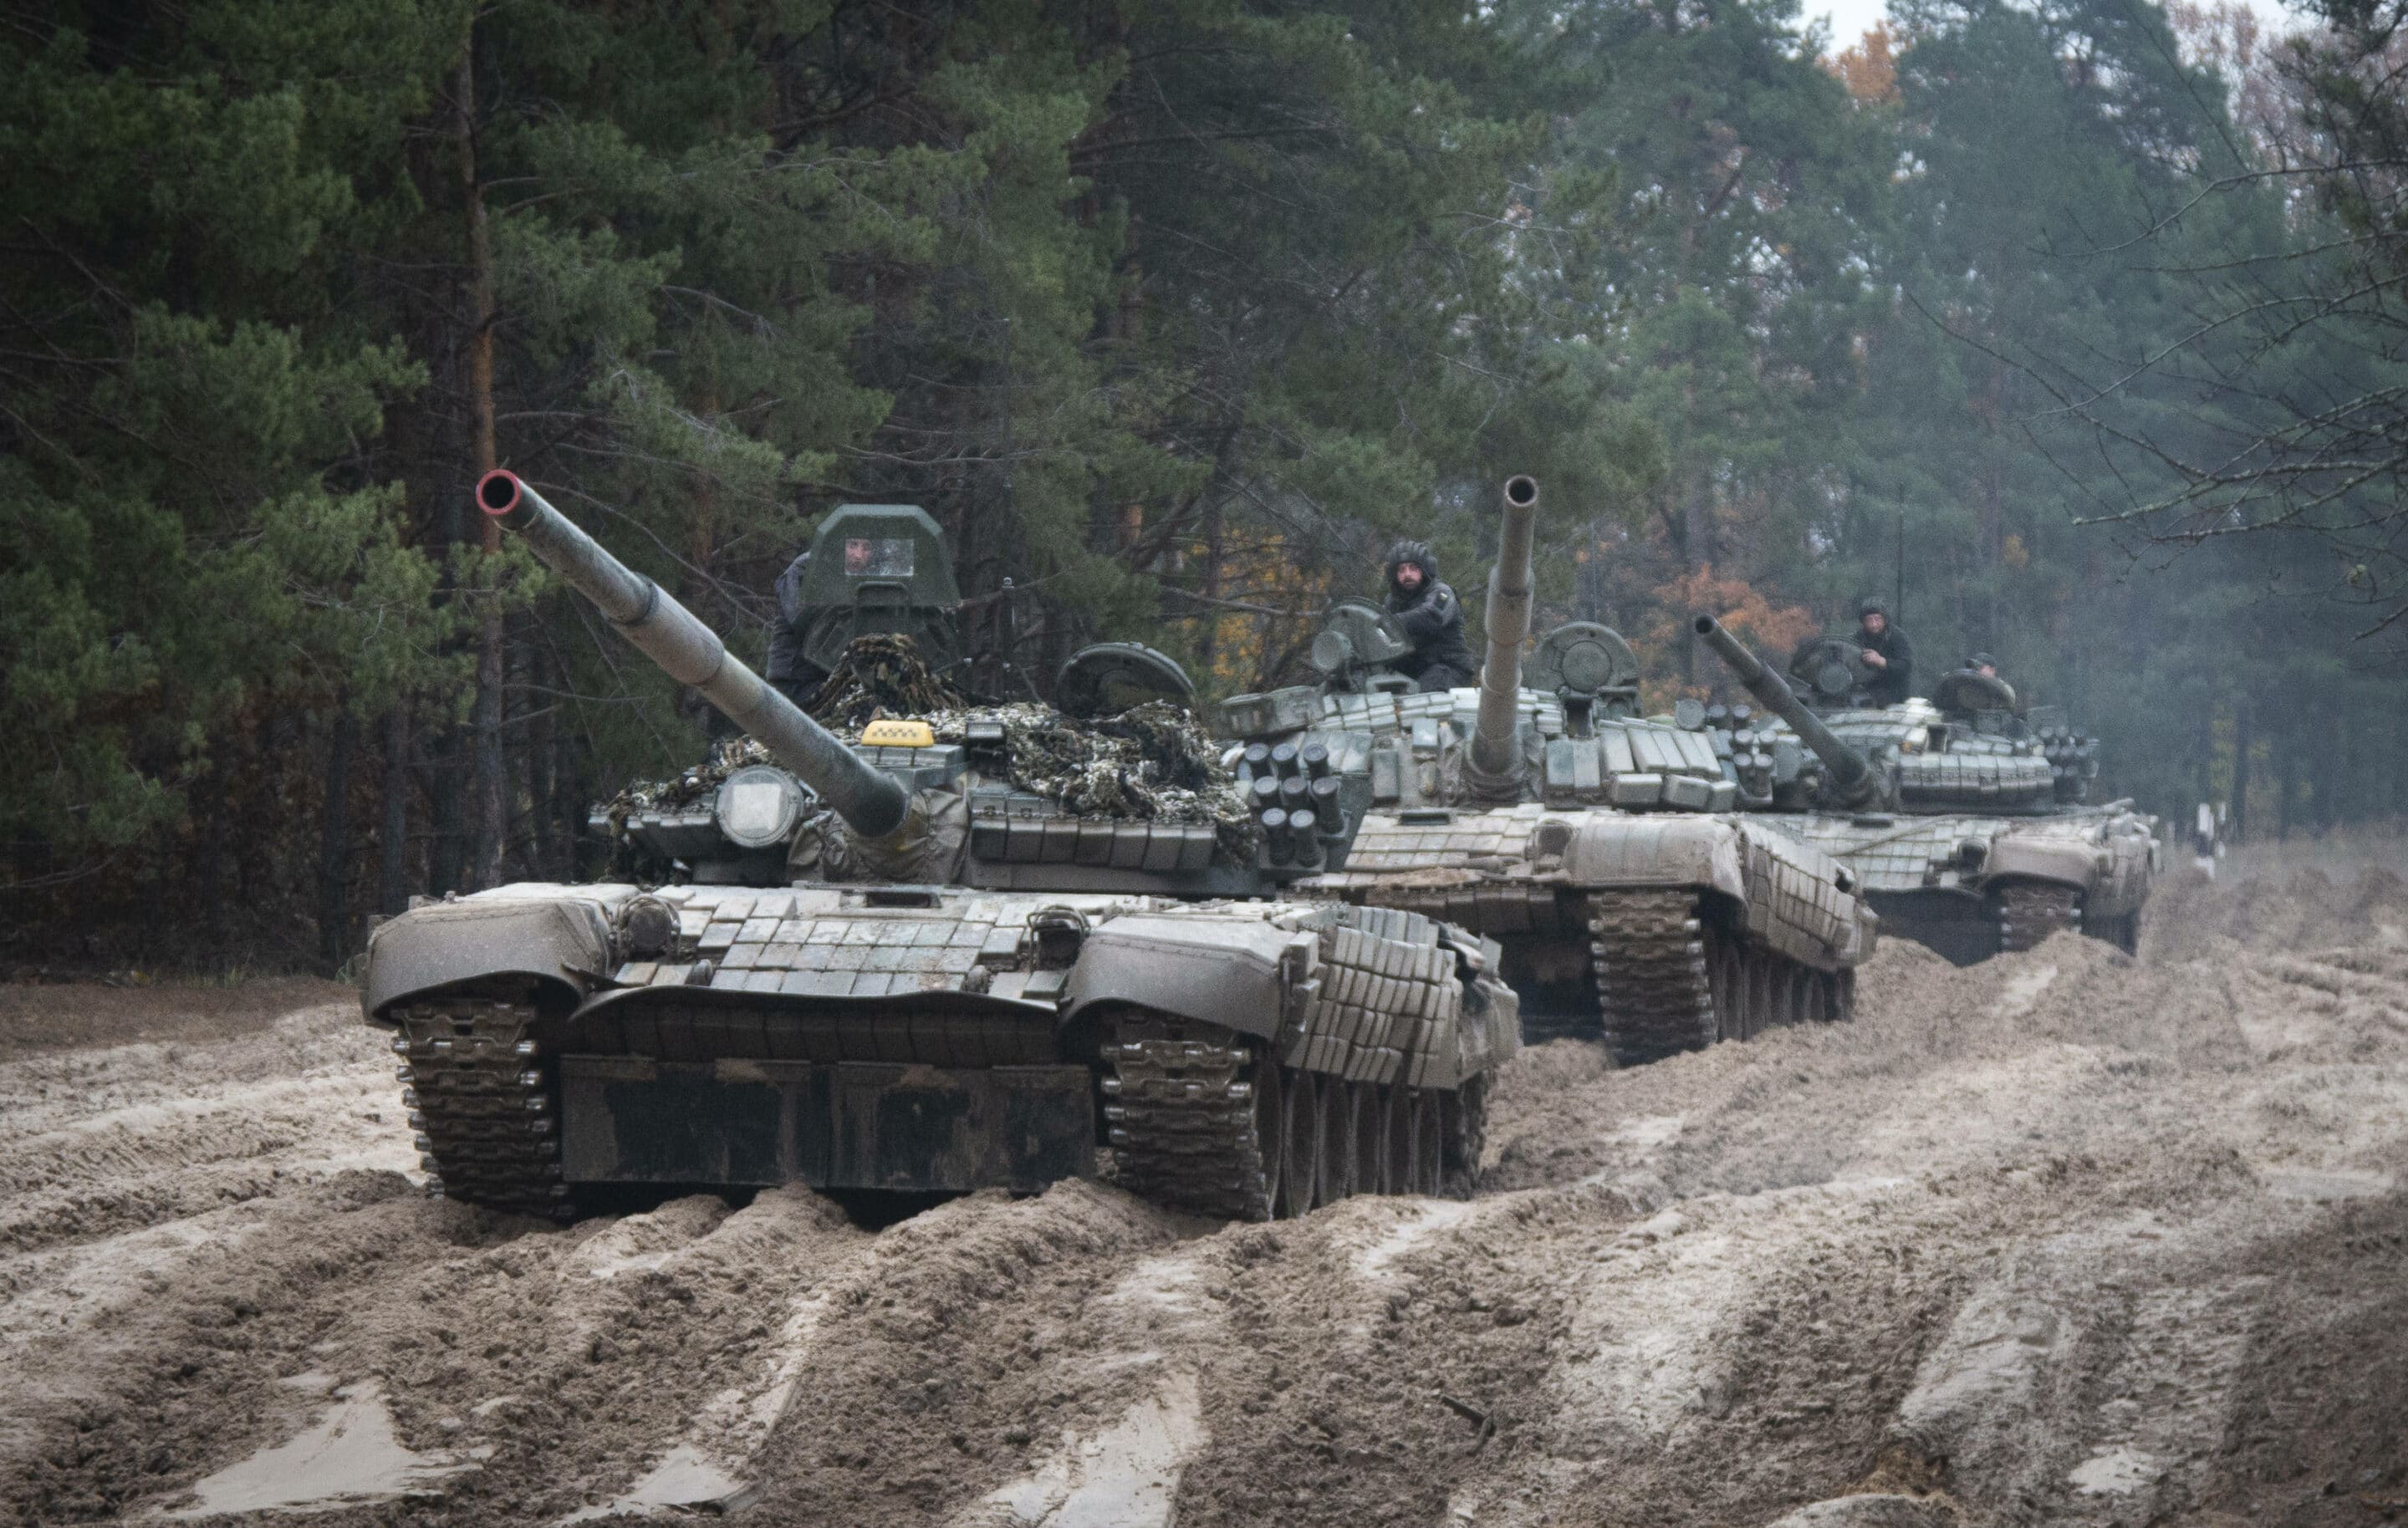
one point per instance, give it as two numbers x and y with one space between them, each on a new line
1870 69
1744 610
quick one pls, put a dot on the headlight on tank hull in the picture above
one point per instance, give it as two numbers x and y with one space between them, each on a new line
759 805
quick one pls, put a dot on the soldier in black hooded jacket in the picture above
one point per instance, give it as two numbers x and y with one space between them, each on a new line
1429 616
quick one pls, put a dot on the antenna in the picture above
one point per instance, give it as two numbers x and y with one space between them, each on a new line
1898 600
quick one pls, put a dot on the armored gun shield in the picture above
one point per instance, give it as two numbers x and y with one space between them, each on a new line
880 569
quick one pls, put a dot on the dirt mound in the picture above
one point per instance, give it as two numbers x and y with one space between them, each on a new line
2066 1238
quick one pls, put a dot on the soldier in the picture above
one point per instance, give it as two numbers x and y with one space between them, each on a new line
1887 653
1427 613
794 675
1984 665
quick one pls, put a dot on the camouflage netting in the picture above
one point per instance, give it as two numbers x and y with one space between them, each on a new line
727 756
1152 761
882 676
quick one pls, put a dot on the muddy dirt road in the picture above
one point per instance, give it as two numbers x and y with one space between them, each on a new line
2067 1239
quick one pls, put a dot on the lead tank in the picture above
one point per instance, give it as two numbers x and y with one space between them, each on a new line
1599 852
940 980
1966 822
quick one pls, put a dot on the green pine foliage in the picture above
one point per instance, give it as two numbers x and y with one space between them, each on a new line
1174 313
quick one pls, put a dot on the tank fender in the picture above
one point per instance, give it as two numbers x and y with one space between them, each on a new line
2062 859
1625 850
1237 972
558 938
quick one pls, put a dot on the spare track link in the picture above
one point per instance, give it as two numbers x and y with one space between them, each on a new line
1647 950
480 1100
2030 912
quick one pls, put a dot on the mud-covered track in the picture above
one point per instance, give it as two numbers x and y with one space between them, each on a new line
1670 977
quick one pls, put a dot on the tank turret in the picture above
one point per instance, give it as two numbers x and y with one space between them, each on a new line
873 804
1497 757
1851 780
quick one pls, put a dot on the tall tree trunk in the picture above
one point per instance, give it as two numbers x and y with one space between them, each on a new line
488 777
335 847
2237 830
393 856
544 817
446 860
2287 786
2324 772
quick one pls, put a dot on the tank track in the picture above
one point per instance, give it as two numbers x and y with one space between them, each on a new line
1183 1125
2030 912
481 1101
1669 980
1203 1122
1648 955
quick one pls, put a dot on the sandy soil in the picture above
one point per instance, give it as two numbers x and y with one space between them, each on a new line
2066 1238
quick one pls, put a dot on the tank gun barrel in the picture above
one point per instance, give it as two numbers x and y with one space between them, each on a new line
871 803
1496 746
1852 774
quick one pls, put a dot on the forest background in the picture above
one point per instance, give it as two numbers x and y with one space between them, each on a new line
2070 325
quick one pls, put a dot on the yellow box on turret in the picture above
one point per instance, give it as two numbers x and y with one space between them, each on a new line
898 735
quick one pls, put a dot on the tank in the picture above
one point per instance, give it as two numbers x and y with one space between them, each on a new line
1966 822
1602 853
944 979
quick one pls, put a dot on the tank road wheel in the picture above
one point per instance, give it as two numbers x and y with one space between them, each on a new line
2123 931
1395 1141
1363 1131
1342 1150
1844 987
481 1101
1755 979
1726 982
1271 1130
1409 1140
1813 997
1300 1169
1429 1154
1463 1130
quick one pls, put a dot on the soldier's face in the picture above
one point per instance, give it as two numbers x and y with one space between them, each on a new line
1408 576
1875 624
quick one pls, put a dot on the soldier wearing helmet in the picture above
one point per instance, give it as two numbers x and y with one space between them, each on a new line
1886 651
1427 613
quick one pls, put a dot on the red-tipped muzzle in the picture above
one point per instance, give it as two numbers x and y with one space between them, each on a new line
498 491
